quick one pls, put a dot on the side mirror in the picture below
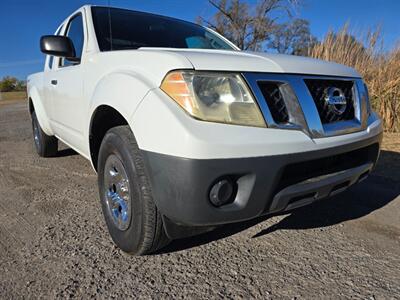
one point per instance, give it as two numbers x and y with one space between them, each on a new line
58 45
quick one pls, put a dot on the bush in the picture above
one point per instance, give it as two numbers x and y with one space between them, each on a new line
380 69
12 84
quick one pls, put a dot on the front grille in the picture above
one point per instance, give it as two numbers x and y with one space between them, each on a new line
298 172
318 90
275 102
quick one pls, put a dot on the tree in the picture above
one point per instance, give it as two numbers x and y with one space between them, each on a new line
8 84
248 28
11 84
20 86
293 38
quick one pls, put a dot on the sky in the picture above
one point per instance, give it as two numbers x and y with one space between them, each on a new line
22 22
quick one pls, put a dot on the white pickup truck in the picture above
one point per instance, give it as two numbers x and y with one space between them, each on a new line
187 132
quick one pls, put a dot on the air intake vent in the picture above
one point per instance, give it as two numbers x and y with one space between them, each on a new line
334 99
275 102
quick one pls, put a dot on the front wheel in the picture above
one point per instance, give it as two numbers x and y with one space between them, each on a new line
132 218
46 146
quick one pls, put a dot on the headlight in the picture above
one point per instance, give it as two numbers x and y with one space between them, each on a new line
215 97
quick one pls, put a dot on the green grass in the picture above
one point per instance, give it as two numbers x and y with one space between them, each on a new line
12 96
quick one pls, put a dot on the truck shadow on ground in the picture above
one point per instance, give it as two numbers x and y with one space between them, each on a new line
66 152
382 187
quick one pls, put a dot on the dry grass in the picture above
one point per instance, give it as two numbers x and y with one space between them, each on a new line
380 69
6 96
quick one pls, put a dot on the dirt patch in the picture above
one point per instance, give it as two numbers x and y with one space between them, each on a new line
54 243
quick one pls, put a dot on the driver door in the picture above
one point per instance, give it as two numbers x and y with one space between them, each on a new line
66 82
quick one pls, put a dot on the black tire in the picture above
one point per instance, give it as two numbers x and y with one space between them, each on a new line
46 146
144 232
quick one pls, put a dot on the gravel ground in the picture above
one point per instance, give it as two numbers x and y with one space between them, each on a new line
54 242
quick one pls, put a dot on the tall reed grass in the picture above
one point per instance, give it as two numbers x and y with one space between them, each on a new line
380 69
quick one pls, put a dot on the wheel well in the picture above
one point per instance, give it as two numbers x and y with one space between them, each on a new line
103 119
31 107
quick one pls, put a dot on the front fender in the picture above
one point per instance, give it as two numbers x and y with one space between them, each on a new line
121 90
40 111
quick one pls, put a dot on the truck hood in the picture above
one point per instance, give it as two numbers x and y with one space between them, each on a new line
245 61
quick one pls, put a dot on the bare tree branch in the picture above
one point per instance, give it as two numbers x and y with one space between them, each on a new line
250 28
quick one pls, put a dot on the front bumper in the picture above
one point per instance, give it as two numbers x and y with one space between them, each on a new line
266 184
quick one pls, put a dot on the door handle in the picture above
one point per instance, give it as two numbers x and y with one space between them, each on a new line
54 82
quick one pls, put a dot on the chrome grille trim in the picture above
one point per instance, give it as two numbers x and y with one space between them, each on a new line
303 113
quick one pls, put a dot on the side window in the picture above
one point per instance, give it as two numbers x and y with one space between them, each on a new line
75 33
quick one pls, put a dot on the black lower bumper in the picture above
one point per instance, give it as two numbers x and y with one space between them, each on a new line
181 187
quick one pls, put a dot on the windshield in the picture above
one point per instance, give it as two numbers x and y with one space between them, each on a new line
132 30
